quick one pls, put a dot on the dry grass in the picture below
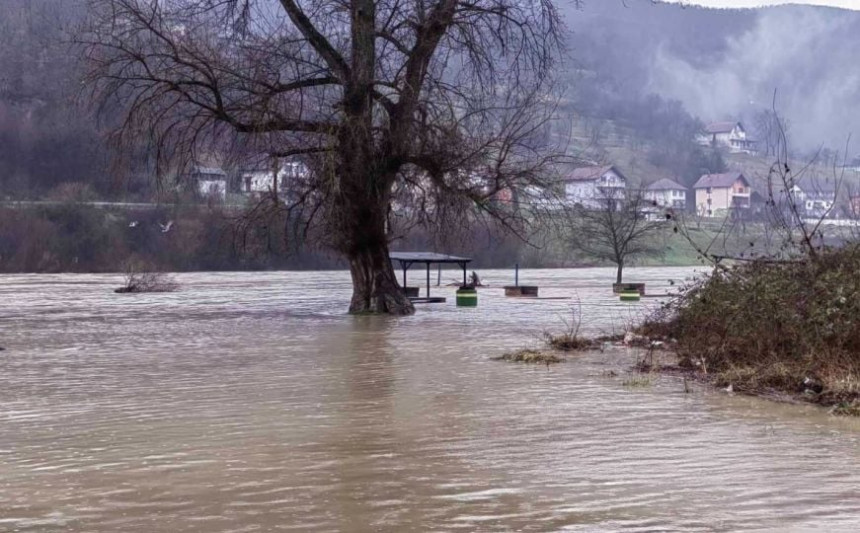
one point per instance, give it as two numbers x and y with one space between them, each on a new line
569 343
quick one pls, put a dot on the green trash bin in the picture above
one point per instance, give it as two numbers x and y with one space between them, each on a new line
467 297
630 296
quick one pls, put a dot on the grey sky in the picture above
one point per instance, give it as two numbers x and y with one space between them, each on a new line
846 4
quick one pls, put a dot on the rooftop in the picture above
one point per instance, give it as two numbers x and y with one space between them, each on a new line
590 173
719 180
427 257
666 184
722 127
208 170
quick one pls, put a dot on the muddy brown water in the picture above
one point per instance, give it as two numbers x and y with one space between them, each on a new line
251 402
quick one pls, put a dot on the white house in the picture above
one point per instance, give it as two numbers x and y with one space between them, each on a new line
211 182
731 135
819 196
262 181
667 193
587 185
854 165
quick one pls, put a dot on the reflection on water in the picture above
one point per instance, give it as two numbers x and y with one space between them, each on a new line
250 402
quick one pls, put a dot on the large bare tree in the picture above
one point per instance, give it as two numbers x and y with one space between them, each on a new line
428 109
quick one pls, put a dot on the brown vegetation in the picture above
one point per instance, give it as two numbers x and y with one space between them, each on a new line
786 327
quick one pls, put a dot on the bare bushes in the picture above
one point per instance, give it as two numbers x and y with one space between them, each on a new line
141 279
788 326
570 339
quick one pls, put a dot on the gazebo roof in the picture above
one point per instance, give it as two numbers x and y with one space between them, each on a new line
427 257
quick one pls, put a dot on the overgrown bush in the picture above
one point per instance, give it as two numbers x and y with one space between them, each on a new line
141 279
790 326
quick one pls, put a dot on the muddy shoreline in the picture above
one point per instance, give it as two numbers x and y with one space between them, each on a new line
665 363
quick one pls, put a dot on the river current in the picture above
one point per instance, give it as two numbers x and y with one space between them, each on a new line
252 402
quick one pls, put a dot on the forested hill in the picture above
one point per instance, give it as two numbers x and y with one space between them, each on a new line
641 76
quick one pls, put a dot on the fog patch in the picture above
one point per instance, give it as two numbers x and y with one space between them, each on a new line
808 55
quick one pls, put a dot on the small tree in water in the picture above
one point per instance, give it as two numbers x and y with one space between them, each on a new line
616 228
426 110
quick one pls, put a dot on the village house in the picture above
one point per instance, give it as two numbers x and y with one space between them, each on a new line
730 135
209 182
819 197
716 194
260 181
586 186
667 194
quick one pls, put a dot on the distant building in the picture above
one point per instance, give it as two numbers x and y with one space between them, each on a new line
819 197
667 193
731 135
717 194
259 181
209 182
587 185
854 165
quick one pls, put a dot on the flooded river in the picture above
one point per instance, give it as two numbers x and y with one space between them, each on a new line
251 402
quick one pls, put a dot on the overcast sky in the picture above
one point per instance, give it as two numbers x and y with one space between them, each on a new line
847 4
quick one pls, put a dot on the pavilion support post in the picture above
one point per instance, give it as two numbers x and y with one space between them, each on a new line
464 273
428 279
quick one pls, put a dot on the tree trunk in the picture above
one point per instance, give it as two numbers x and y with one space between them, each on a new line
618 274
374 285
361 208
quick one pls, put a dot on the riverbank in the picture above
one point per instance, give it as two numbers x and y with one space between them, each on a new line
655 353
667 363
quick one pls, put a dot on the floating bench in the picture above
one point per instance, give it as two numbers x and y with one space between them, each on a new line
629 287
430 300
411 292
521 291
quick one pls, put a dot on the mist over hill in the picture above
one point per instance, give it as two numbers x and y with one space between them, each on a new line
726 63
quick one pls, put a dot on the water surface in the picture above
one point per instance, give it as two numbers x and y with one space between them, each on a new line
251 402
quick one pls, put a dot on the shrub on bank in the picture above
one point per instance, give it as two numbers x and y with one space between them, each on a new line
787 326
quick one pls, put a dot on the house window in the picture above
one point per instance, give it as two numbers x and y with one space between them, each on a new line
709 190
709 201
